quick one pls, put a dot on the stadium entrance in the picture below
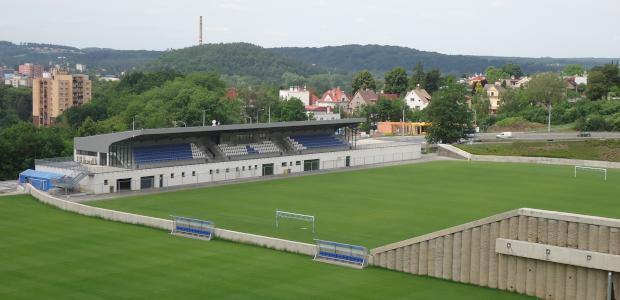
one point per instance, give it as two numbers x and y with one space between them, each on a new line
267 169
311 164
147 182
123 184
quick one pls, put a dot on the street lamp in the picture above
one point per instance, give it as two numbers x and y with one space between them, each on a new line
257 111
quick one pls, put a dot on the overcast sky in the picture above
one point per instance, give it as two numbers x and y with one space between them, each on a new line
534 28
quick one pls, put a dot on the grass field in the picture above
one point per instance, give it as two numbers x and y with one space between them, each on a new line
374 207
608 150
46 253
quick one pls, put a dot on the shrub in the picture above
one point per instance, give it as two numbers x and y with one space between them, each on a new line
595 122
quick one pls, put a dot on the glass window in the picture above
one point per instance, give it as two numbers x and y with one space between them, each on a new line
171 175
193 173
105 182
182 174
284 164
298 163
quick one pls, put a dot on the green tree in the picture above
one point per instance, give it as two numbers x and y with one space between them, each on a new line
573 70
418 77
494 74
546 89
396 81
363 80
597 86
293 110
448 115
433 81
512 70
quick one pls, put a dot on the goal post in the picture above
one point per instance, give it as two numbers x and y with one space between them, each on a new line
595 169
295 216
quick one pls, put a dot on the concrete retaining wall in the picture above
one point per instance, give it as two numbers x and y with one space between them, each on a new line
112 215
454 152
467 253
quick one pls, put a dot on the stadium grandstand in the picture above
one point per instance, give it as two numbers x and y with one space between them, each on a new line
159 158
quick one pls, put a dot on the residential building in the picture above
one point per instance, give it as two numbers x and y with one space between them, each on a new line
19 81
321 113
232 94
53 96
80 67
494 92
363 97
418 98
6 73
31 70
333 98
300 93
581 79
402 128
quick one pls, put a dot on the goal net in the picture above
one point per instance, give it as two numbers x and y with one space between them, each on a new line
591 169
294 216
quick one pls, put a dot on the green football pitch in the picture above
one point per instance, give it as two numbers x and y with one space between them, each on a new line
374 207
46 253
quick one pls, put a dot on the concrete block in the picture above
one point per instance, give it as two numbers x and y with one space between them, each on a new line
591 281
415 258
430 261
391 261
423 258
542 230
407 259
465 256
562 233
582 238
552 232
493 257
560 281
383 260
399 259
572 236
541 279
582 283
447 257
438 257
532 227
571 278
511 274
502 272
456 256
530 277
592 237
474 270
521 275
603 239
522 231
513 228
503 229
550 281
601 285
614 241
485 235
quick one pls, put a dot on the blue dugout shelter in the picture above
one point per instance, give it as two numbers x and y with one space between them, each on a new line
39 179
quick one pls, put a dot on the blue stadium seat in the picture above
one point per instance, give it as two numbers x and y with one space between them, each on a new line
318 141
159 153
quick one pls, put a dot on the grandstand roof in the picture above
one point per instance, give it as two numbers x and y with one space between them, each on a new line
102 142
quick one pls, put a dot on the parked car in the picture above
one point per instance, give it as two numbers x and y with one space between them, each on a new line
504 135
584 134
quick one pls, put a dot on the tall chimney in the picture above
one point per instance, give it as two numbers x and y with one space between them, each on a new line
200 31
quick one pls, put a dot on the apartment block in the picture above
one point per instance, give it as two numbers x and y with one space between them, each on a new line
54 95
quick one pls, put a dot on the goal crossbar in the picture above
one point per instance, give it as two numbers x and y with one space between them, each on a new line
603 170
295 216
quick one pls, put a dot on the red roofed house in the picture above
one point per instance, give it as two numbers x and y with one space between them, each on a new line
321 112
232 94
333 98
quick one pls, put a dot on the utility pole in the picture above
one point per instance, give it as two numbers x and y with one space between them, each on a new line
200 31
549 119
403 123
133 123
203 118
269 113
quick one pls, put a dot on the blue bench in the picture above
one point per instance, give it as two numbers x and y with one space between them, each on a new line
343 257
192 230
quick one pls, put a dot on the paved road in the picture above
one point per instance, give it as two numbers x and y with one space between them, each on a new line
542 136
551 136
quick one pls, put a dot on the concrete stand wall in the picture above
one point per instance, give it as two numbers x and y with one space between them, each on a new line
112 215
467 253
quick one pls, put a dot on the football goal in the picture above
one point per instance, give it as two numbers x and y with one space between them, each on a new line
591 169
295 216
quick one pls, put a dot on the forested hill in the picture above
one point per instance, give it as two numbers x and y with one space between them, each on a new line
379 59
270 64
102 60
241 59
